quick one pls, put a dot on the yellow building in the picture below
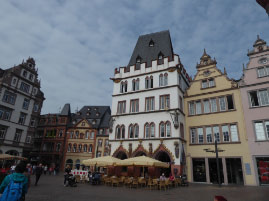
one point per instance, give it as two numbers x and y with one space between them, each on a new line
214 112
88 126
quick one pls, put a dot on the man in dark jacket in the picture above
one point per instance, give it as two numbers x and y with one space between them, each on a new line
17 177
38 173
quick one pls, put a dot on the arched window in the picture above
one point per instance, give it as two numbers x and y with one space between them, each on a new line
74 148
152 130
168 129
118 130
121 87
165 80
122 132
71 134
85 148
81 135
79 148
77 134
87 135
147 131
136 130
126 86
137 84
147 82
131 131
161 80
90 148
151 81
69 147
133 84
162 130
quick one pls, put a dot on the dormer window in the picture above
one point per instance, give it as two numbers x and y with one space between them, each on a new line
138 59
151 43
160 58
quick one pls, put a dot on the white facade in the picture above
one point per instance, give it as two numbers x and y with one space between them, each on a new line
177 81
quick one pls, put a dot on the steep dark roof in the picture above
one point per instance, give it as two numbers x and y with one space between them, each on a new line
66 109
98 114
162 43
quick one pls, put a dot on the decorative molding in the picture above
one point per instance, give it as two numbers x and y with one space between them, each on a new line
140 149
163 148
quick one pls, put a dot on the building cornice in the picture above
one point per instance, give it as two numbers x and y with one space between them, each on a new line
148 112
151 89
149 139
169 69
211 92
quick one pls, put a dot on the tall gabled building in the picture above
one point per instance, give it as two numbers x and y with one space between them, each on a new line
50 138
147 104
87 135
214 113
20 104
254 88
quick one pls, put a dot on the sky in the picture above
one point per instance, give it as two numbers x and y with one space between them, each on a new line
78 44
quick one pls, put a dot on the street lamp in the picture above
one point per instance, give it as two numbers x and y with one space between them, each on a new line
217 157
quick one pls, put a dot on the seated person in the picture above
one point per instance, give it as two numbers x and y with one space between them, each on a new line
171 178
162 177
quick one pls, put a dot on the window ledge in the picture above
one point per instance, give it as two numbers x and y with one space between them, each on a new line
208 87
219 143
261 141
233 110
255 107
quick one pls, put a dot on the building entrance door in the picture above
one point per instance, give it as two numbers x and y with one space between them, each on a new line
234 171
213 173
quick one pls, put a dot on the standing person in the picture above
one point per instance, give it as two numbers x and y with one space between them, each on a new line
66 173
18 184
38 172
34 167
45 169
12 169
50 170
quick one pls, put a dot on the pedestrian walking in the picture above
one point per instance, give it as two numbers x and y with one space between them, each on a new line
45 170
34 167
15 186
66 173
38 172
50 170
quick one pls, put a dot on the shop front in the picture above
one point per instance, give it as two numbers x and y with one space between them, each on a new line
263 170
204 170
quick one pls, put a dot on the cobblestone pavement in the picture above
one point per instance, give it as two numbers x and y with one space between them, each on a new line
51 188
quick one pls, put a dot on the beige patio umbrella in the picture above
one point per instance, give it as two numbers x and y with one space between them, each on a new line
101 161
142 161
11 157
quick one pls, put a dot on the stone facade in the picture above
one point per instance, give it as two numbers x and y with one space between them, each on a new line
20 104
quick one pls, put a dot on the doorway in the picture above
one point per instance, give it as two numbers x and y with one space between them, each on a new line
213 173
234 171
164 157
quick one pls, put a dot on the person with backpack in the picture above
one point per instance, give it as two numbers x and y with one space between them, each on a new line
15 186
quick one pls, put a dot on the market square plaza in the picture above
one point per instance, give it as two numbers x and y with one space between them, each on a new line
51 188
